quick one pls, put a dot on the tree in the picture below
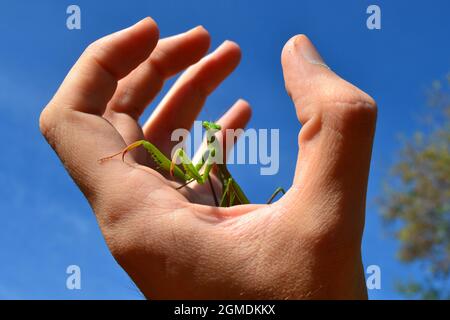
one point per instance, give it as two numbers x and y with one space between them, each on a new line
416 203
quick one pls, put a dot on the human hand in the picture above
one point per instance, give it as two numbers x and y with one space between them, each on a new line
174 245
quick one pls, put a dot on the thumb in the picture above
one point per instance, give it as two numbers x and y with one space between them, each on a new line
338 122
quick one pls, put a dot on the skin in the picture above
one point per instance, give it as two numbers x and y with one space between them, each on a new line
172 243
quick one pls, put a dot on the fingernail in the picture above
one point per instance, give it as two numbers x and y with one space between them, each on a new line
132 26
227 43
223 44
309 52
199 27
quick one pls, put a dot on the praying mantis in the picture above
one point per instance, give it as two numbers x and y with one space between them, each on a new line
232 193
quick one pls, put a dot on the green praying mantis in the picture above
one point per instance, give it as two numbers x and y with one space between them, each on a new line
232 193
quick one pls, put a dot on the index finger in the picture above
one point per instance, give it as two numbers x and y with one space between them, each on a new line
72 121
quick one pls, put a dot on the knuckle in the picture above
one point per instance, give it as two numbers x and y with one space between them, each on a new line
197 90
95 51
94 47
44 122
47 123
52 124
351 109
355 104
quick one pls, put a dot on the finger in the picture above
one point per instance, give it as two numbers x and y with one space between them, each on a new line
92 81
72 121
338 122
170 56
181 105
135 91
232 123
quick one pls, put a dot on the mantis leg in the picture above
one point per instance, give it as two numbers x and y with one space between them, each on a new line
160 159
224 175
186 163
225 192
193 171
276 192
185 184
230 196
216 201
190 169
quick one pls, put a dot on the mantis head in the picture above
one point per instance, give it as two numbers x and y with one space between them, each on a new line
211 126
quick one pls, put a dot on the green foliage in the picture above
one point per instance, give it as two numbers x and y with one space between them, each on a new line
416 204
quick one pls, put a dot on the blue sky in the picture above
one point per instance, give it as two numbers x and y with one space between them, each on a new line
46 222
